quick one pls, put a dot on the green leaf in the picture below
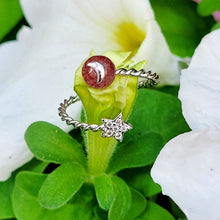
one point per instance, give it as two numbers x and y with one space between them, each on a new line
49 143
156 118
181 25
10 15
140 151
60 186
138 205
141 180
34 165
155 212
6 210
100 214
26 204
161 113
177 212
84 204
216 26
173 90
207 7
122 199
104 191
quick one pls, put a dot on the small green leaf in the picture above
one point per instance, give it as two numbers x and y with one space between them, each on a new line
138 152
26 205
6 210
207 7
49 143
104 191
141 180
181 25
138 205
155 212
10 15
61 185
122 200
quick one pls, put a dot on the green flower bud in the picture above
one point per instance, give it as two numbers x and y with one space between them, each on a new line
106 103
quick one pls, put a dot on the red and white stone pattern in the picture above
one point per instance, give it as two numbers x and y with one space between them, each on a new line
98 72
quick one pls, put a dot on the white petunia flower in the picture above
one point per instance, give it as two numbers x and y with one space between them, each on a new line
188 167
37 70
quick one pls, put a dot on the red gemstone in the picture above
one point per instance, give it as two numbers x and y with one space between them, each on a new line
98 72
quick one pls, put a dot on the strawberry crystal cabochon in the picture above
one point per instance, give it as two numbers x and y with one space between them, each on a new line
98 72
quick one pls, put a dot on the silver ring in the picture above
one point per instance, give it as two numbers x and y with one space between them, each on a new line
110 128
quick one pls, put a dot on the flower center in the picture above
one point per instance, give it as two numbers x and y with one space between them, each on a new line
129 37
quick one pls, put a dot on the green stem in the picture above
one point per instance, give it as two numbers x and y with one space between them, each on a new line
100 151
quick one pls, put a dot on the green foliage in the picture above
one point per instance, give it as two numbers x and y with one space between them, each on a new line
181 25
25 200
177 212
61 185
6 188
138 205
154 123
207 7
155 212
161 113
49 143
137 152
216 26
10 15
140 179
122 199
6 210
104 191
173 90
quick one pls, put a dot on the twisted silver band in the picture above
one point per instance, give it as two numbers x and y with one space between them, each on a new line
110 128
70 121
149 79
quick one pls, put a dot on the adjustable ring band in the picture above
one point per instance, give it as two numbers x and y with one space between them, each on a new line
149 79
110 128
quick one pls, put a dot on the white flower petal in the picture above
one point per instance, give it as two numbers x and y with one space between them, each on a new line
37 12
199 86
160 60
47 72
188 169
114 20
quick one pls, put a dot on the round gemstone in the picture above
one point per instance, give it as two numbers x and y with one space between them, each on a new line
98 72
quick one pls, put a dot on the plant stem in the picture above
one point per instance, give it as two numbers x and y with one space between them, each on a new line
100 151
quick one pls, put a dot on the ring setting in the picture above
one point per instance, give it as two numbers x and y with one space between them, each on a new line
99 72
